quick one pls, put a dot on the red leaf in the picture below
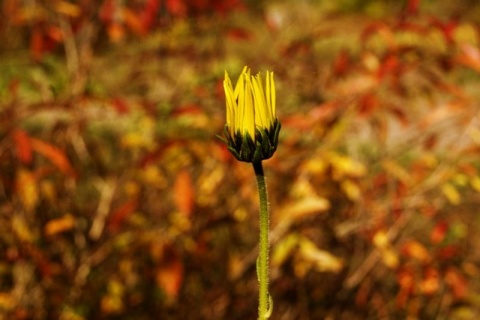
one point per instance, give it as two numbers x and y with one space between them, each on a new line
298 47
120 214
23 146
368 103
120 105
341 64
448 252
37 46
149 14
176 7
446 28
239 34
412 7
390 65
107 11
41 261
187 109
54 154
438 233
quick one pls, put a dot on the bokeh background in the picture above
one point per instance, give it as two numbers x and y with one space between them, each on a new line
117 201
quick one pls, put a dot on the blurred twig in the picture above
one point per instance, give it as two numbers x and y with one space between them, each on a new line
434 179
107 190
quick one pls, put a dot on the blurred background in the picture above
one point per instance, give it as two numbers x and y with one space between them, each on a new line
117 201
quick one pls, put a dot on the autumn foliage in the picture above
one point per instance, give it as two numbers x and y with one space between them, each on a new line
117 201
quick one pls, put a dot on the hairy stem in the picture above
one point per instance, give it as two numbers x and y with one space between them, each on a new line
264 306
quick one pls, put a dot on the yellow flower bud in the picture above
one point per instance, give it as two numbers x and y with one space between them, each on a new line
252 127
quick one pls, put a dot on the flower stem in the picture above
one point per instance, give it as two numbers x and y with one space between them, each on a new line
265 304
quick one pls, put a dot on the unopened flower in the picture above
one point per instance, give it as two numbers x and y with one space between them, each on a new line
252 127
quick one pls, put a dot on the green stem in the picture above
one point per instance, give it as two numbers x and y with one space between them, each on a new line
264 305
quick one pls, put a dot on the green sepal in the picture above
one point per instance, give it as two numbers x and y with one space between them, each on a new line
245 149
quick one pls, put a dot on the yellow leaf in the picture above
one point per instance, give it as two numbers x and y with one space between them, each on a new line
351 189
315 166
48 191
345 166
152 175
390 258
397 171
68 9
303 208
322 261
475 183
133 140
380 240
451 193
460 179
283 249
132 189
388 254
27 190
21 229
69 313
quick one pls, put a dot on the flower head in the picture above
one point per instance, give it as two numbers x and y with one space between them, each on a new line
252 127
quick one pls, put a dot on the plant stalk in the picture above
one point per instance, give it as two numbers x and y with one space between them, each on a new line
264 303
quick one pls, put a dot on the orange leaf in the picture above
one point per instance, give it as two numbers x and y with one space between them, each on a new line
23 146
416 250
406 282
59 225
132 20
184 193
470 57
457 283
54 154
170 276
116 32
430 283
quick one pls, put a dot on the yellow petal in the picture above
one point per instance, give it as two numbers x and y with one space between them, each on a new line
231 104
249 111
272 95
261 116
